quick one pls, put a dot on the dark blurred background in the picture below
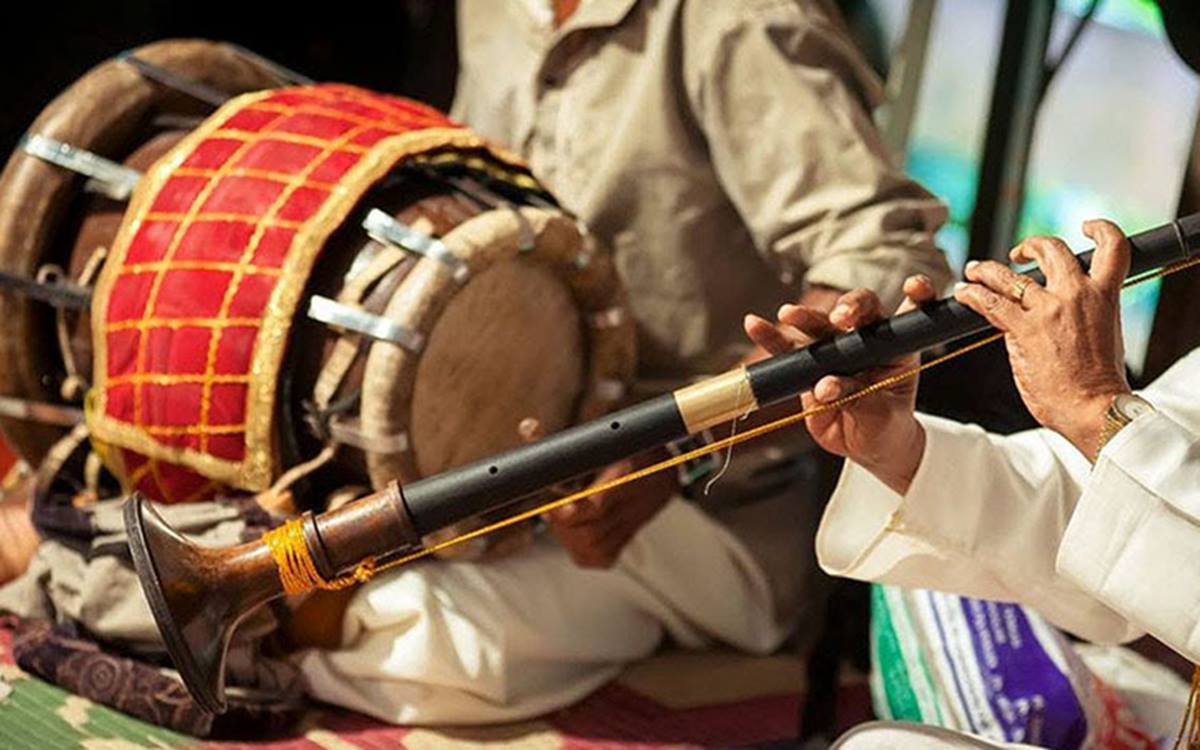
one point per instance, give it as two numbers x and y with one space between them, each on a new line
404 46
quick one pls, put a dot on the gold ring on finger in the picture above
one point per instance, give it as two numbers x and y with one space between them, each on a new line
1019 287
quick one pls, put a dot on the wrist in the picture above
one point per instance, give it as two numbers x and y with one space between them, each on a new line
1122 411
1087 428
897 465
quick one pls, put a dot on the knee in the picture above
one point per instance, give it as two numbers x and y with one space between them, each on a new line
876 738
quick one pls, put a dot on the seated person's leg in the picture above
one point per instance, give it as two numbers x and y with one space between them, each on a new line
890 735
465 642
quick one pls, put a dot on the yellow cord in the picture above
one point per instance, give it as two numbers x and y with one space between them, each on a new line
1189 730
299 574
297 571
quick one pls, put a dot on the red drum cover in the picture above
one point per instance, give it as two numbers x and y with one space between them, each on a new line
193 310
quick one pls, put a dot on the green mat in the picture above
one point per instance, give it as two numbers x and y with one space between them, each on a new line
35 715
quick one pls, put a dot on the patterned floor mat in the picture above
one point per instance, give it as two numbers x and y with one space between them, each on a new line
675 700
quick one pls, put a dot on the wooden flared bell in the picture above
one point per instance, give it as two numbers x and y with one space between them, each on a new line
197 595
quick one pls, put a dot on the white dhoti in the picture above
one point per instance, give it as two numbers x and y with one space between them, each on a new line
452 642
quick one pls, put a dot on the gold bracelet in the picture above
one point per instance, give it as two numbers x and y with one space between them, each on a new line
1123 409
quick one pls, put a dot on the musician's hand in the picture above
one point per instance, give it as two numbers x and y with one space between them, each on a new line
880 431
1064 339
595 530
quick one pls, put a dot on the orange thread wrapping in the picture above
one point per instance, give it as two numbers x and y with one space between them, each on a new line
297 571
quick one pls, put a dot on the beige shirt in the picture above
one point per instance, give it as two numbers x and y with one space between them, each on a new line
723 148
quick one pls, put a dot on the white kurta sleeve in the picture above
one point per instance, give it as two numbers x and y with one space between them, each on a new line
1134 539
984 517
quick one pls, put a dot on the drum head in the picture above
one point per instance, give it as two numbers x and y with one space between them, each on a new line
506 347
537 330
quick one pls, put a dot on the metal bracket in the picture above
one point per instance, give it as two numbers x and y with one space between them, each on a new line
382 227
584 258
334 313
109 178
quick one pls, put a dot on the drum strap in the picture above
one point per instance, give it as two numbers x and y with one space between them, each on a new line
40 411
284 74
172 80
58 294
345 350
349 432
333 373
74 385
489 199
611 390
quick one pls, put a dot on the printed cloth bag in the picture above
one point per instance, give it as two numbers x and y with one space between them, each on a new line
996 670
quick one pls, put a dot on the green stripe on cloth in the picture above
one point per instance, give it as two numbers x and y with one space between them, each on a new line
892 689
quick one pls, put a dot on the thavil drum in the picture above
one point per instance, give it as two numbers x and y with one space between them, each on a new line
319 275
